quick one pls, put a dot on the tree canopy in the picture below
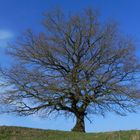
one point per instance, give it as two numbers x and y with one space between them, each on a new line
77 67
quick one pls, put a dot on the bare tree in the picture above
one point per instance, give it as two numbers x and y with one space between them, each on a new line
78 67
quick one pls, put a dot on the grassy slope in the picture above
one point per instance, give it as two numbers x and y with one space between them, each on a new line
19 133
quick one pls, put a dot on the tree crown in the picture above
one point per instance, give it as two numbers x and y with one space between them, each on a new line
79 66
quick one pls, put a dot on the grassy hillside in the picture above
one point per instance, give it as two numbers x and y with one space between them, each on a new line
19 133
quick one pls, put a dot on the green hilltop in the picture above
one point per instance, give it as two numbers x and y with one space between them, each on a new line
22 133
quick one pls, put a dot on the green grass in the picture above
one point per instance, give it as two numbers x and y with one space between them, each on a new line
21 133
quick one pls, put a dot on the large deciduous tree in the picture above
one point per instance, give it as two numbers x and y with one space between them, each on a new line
77 67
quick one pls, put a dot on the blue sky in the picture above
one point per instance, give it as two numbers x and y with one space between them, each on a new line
18 15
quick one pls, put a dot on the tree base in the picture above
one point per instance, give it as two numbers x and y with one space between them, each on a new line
78 129
80 125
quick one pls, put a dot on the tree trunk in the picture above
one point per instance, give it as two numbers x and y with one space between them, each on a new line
80 124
